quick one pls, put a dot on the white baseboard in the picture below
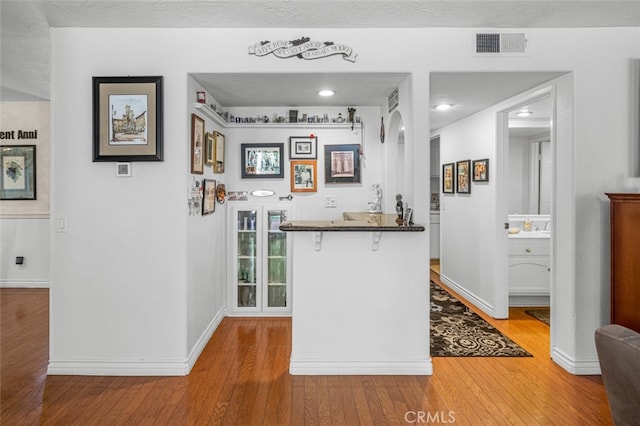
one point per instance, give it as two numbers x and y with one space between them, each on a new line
118 368
137 368
24 283
311 367
579 368
204 338
481 304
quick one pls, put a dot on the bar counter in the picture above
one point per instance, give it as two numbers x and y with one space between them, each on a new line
353 222
360 287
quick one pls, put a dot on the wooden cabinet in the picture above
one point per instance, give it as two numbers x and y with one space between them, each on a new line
625 260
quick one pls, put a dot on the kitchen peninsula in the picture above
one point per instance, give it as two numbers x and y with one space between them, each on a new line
361 296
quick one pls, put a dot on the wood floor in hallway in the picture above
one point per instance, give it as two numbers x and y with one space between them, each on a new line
242 378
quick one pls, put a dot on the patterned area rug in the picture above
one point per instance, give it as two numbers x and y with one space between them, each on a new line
542 314
457 331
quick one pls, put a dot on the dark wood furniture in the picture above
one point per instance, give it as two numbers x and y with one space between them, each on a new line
625 260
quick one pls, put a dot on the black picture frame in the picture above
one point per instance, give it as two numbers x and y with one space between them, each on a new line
18 172
303 147
342 164
481 170
463 177
448 178
209 196
128 118
262 160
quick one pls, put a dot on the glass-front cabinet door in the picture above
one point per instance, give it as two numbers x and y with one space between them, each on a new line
277 273
247 262
260 278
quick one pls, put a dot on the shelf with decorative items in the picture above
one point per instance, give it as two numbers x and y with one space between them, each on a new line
227 120
260 278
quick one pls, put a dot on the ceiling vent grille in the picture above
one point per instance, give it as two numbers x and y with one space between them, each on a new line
500 43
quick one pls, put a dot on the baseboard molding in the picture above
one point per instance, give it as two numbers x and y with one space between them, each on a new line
24 284
313 367
204 338
137 368
578 368
481 304
118 368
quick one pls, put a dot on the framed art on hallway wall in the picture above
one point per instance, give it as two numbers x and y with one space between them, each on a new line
463 177
448 178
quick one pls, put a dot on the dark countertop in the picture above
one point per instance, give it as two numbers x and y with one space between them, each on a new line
352 222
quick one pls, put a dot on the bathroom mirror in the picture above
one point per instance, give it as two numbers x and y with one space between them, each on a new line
530 161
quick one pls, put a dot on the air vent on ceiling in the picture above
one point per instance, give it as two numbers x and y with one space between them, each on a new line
500 43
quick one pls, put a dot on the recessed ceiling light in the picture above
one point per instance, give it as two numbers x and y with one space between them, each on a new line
443 107
524 113
326 92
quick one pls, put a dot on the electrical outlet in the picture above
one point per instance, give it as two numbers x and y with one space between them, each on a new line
330 202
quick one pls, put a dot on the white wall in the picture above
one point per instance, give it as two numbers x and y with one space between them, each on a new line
24 224
120 274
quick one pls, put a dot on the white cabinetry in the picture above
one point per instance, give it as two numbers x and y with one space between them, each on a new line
529 276
260 270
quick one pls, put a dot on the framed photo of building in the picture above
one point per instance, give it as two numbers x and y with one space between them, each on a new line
18 172
262 160
127 119
303 147
448 178
197 144
342 163
463 177
304 176
481 170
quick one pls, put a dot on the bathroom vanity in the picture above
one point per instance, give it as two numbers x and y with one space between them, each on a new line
529 261
361 299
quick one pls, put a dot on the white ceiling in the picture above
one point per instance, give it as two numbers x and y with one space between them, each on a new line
25 48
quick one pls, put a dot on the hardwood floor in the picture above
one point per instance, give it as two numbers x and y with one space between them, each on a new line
242 378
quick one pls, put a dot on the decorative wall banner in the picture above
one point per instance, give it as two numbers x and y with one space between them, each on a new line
303 48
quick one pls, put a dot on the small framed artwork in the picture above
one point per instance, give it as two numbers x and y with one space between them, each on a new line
342 163
123 170
481 170
127 118
304 174
463 177
18 174
208 149
197 144
448 178
218 152
209 196
303 147
262 160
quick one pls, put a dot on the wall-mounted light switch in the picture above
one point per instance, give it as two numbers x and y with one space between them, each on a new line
61 224
19 260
